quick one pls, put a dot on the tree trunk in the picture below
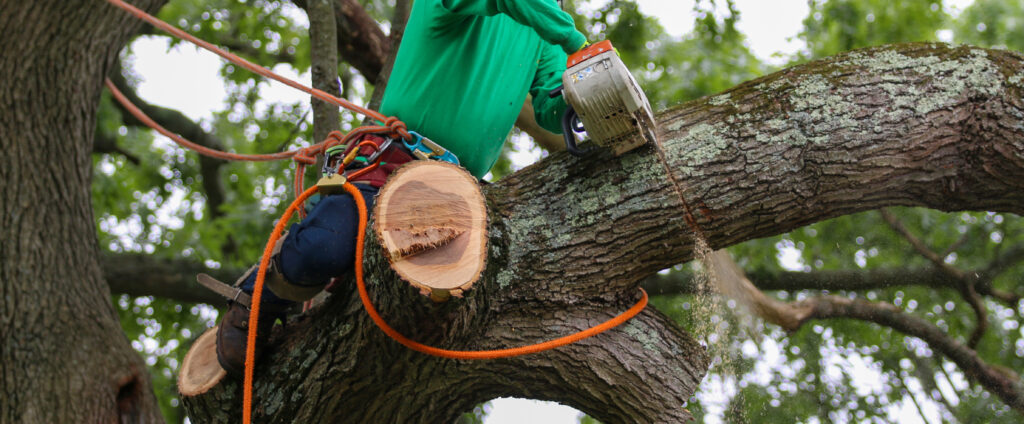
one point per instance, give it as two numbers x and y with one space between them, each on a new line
570 239
64 357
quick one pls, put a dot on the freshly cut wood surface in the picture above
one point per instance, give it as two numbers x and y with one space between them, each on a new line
199 369
431 220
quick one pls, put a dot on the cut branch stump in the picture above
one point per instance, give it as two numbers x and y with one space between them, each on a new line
200 370
431 221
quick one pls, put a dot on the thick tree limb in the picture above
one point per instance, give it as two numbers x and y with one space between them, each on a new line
175 279
915 125
65 357
361 41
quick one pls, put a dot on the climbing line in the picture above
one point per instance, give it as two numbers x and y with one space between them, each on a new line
137 112
364 296
306 156
391 122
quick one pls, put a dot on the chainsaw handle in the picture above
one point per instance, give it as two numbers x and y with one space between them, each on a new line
556 92
570 124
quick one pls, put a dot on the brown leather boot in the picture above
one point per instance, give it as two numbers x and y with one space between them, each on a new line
233 334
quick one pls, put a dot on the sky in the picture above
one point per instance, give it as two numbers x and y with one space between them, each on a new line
186 79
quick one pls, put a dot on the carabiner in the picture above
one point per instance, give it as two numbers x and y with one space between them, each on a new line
425 148
329 153
380 150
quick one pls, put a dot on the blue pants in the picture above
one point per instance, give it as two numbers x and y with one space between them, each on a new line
321 246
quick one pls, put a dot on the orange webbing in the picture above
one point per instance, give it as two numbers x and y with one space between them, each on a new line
250 349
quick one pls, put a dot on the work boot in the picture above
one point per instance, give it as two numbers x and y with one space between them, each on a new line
233 333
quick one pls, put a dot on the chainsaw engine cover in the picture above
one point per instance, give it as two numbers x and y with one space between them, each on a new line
608 100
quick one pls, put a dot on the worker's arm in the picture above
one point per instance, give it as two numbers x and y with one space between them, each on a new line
548 110
544 16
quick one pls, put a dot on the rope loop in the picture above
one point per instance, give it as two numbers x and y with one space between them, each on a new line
307 155
397 127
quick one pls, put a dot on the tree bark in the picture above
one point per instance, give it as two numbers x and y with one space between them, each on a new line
64 356
571 238
324 67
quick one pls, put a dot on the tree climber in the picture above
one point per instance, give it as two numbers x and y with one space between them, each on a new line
461 75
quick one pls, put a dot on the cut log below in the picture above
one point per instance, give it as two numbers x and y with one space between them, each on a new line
432 223
199 369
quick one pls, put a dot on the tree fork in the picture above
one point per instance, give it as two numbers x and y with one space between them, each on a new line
914 125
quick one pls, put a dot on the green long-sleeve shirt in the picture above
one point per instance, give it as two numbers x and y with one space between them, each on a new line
464 68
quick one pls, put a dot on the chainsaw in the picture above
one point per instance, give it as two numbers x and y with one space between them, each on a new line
605 101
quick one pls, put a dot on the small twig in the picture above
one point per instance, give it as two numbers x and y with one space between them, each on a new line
967 283
956 245
919 245
917 405
980 314
926 373
294 132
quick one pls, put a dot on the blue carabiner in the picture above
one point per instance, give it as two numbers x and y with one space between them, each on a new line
425 148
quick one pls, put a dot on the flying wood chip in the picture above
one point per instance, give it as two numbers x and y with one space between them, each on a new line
432 223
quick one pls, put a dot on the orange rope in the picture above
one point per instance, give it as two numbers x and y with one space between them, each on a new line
257 292
250 349
467 354
391 123
136 112
304 157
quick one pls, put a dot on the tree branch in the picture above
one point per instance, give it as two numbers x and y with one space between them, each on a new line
964 283
177 122
1007 387
361 42
920 246
402 10
144 275
102 143
913 125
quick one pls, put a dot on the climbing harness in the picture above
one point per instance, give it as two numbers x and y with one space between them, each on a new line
342 165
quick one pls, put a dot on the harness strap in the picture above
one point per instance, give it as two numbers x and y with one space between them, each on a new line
235 294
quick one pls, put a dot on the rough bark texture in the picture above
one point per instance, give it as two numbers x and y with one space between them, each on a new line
64 357
916 125
324 56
